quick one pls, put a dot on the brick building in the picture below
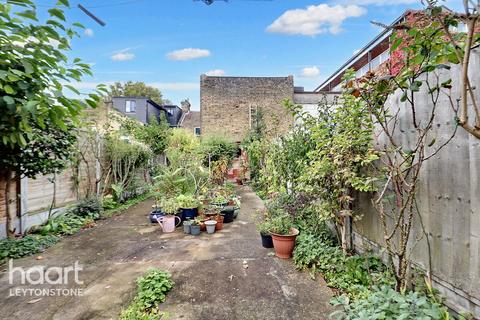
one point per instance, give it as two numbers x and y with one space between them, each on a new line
228 104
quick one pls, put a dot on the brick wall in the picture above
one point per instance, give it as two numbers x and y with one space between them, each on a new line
225 104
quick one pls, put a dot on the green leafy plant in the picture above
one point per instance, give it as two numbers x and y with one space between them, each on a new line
386 303
281 223
66 224
152 290
38 120
187 201
90 207
214 148
169 206
109 203
28 245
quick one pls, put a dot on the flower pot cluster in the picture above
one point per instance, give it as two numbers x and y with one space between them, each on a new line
206 212
277 230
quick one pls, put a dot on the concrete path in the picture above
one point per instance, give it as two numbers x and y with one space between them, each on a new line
211 281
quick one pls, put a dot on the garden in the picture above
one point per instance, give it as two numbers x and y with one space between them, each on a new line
312 180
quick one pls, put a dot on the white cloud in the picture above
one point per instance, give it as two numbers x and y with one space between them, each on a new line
88 32
377 2
314 20
310 72
215 73
188 54
123 55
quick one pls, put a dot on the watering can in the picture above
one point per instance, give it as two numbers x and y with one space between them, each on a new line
167 223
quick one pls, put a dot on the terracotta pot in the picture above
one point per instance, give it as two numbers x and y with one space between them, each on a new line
219 224
284 244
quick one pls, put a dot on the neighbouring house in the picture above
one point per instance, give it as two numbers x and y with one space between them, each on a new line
228 105
190 119
448 227
140 108
174 114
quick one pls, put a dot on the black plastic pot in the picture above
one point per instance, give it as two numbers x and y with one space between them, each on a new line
228 214
154 215
267 241
189 213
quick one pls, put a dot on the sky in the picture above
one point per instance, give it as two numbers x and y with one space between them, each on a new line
169 43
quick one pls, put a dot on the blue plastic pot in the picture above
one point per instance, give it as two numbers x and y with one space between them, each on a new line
154 215
189 213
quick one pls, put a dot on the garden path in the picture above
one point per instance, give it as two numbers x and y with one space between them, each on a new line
227 275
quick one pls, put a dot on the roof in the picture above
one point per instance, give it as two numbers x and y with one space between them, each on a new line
190 119
384 34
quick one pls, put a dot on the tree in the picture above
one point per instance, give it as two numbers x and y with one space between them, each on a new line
136 89
37 118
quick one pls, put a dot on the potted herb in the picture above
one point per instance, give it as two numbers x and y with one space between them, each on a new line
195 227
283 234
188 205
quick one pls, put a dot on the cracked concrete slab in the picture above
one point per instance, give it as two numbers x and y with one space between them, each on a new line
227 275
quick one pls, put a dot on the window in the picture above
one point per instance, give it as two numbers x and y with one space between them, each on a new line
130 106
197 131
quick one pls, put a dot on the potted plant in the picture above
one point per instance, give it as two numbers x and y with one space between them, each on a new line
195 227
228 212
219 218
264 228
283 235
210 224
220 201
186 226
188 205
236 204
156 212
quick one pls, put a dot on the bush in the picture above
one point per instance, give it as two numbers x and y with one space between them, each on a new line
215 148
67 224
90 207
281 223
352 275
152 290
28 245
386 303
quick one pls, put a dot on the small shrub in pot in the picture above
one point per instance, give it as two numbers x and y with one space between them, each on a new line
283 234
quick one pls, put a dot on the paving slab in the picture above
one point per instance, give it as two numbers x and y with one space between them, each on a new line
227 275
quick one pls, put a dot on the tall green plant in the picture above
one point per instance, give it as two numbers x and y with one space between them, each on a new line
34 73
341 159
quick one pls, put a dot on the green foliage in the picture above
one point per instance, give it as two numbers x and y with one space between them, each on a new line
125 158
281 223
135 89
34 73
385 303
28 245
169 206
88 208
109 203
353 275
214 148
153 134
187 201
48 150
67 224
152 290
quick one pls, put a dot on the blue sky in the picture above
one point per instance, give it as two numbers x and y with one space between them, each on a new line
170 43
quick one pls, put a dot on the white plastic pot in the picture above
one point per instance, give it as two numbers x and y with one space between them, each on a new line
210 224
